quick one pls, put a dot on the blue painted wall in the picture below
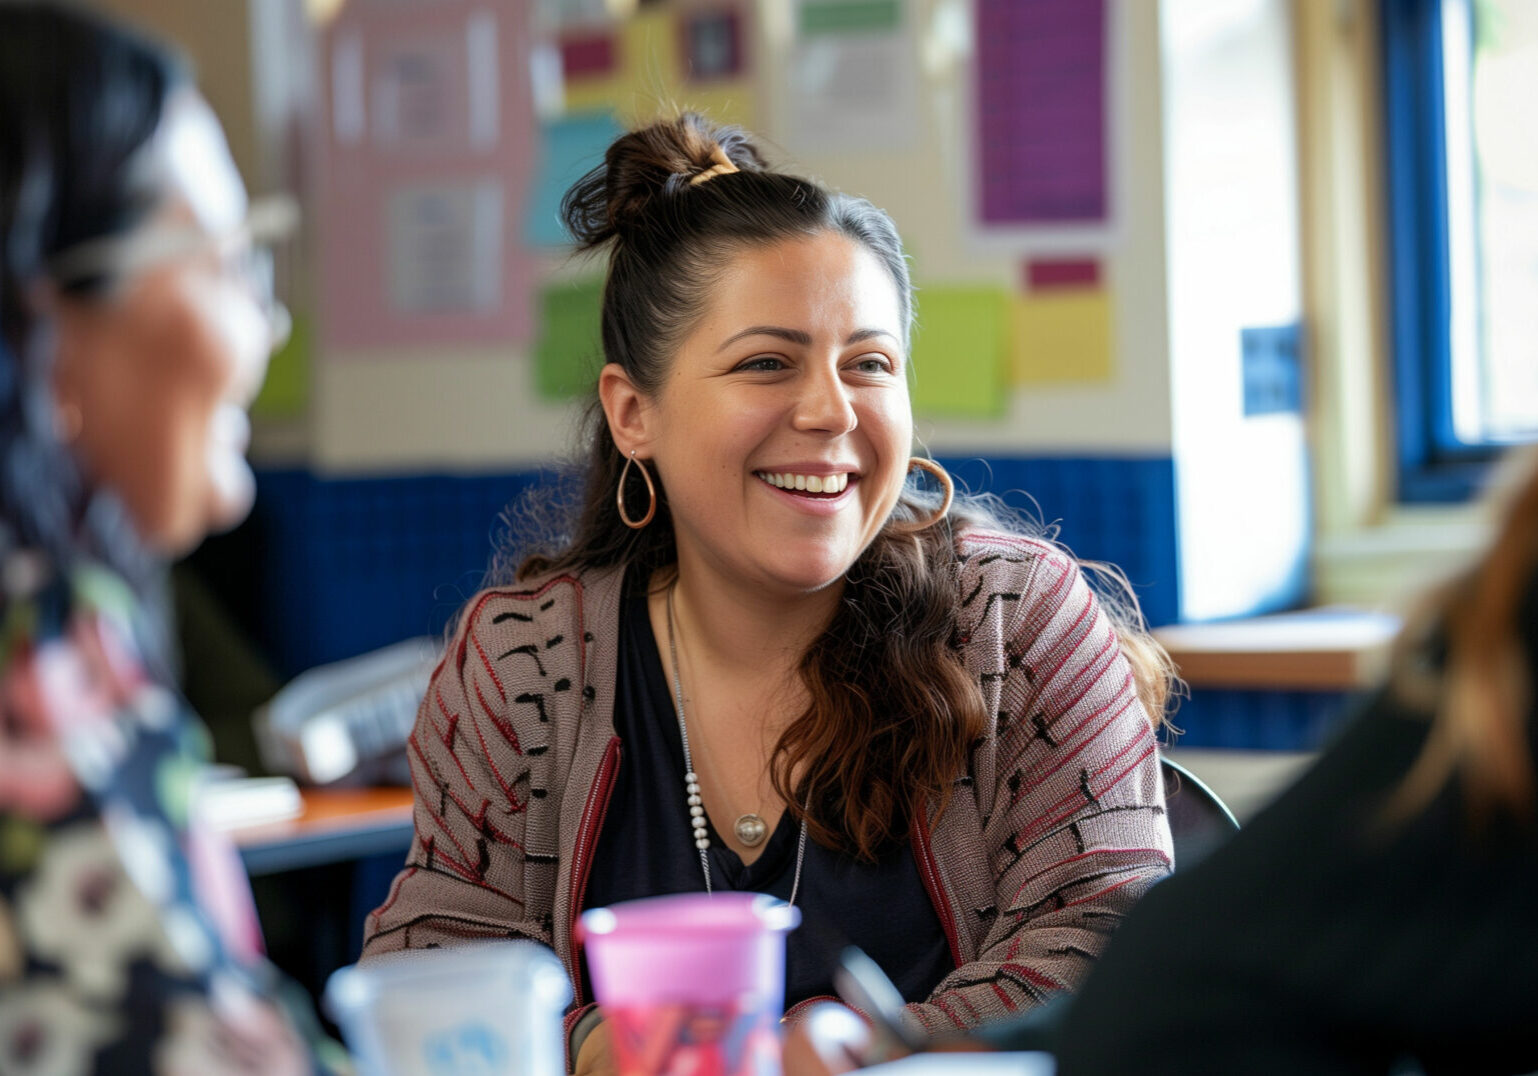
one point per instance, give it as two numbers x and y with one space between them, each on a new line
353 564
1260 720
1120 510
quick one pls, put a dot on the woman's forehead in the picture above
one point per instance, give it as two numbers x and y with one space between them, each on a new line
827 275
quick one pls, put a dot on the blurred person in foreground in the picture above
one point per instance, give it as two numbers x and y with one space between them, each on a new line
1378 917
134 332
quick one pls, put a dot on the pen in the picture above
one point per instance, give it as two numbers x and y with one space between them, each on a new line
862 984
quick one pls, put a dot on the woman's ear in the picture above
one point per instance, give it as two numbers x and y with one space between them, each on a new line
627 409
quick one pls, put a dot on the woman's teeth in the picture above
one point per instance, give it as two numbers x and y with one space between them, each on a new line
811 483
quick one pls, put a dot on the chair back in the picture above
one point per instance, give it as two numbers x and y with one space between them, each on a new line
1199 819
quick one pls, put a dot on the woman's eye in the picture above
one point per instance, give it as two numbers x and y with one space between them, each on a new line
763 362
873 364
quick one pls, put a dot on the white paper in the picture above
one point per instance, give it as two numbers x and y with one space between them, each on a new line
446 247
856 90
347 115
482 74
412 96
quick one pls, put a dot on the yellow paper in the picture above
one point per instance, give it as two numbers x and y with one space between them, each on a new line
648 80
646 75
960 352
1062 337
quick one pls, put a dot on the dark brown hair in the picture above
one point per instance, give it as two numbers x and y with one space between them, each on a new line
892 715
1481 690
80 98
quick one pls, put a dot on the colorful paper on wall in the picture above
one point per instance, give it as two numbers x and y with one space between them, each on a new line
562 14
1041 111
654 53
854 76
1062 336
848 17
571 147
424 161
589 55
645 74
286 391
569 352
960 352
713 45
1045 274
444 247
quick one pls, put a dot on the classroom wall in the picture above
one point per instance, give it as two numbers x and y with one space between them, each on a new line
385 464
387 409
1084 446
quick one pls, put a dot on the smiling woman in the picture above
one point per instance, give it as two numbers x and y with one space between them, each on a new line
760 659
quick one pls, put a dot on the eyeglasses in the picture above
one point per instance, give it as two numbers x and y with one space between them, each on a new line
247 253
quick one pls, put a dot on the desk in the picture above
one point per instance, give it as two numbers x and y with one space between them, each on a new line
338 824
1325 649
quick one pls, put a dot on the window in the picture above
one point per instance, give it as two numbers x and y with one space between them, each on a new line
1460 77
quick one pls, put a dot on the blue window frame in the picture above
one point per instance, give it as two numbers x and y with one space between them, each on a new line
1438 268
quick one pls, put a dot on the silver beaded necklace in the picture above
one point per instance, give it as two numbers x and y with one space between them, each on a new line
692 781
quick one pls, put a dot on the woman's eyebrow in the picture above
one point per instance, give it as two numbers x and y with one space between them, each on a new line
798 336
870 334
794 336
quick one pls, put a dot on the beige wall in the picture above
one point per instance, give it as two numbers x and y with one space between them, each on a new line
215 35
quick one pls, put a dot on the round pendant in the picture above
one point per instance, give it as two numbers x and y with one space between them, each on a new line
750 830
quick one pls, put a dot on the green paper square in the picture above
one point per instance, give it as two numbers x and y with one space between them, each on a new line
286 392
569 352
960 352
849 17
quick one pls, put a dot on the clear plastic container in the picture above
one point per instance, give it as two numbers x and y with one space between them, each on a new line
474 1010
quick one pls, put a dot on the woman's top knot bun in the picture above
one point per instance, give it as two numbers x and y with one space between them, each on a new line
643 168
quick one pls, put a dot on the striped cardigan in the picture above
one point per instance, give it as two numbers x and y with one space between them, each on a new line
1053 833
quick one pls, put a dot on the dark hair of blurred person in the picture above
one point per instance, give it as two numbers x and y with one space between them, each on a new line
79 104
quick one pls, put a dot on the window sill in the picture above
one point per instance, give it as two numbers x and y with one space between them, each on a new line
1388 565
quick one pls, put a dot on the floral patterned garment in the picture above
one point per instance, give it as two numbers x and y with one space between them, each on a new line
128 938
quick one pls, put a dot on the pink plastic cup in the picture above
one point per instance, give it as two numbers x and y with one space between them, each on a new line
691 984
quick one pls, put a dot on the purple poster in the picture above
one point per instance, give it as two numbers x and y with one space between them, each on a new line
1041 111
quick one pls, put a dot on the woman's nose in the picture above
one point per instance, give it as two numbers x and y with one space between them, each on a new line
824 405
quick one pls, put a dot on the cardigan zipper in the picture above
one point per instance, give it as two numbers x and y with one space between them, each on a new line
593 812
924 853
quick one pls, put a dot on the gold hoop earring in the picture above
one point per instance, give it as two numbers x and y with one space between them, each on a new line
619 495
68 422
941 476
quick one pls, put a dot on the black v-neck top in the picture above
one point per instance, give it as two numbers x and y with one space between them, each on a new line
646 848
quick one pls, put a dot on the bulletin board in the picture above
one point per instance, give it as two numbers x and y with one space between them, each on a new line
427 120
454 127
